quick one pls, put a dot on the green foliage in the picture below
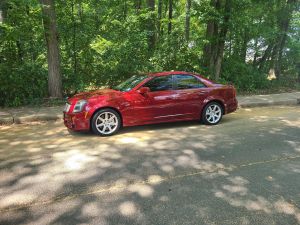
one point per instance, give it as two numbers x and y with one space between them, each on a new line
22 84
23 74
104 42
245 77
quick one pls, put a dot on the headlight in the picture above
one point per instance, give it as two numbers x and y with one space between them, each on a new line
79 106
67 107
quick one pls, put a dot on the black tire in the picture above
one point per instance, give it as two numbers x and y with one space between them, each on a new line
210 117
100 118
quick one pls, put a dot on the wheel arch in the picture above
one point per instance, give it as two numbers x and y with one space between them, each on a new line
217 101
106 107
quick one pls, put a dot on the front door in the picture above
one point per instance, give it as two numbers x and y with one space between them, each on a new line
161 101
158 104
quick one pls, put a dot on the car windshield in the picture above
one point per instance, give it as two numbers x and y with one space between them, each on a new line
130 83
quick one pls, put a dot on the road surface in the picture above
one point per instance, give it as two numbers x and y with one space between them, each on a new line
246 170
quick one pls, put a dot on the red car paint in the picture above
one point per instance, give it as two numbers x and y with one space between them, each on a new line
155 107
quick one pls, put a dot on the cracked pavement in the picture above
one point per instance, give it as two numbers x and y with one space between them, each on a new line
245 170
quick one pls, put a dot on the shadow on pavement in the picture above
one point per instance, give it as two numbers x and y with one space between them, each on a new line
182 173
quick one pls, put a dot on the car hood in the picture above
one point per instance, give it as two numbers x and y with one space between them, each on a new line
110 93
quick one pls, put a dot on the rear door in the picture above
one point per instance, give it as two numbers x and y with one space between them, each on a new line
189 95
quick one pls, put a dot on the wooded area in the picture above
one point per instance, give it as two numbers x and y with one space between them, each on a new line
53 48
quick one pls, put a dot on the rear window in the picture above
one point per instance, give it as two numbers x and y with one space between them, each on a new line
187 82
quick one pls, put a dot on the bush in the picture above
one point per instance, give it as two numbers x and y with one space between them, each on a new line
245 77
22 84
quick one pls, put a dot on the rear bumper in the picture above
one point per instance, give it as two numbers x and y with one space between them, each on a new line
231 106
76 121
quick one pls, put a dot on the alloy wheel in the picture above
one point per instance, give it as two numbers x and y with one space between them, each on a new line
213 114
106 123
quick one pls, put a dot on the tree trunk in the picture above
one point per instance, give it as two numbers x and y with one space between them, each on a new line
51 36
211 36
80 12
264 58
170 16
3 10
74 41
151 25
222 37
298 68
19 50
187 19
138 6
1 16
159 14
273 61
284 22
243 52
230 44
207 51
125 9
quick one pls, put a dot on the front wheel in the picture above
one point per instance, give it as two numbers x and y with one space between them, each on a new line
106 122
212 113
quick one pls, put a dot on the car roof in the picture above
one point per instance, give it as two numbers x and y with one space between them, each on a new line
207 81
169 73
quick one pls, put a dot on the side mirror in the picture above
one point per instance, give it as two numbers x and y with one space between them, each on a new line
144 90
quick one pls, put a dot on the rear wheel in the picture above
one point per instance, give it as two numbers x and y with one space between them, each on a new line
212 113
106 122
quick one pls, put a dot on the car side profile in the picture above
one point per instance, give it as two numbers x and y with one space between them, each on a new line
148 99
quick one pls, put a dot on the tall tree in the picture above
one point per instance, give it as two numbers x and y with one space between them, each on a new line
138 5
125 9
151 24
243 51
283 18
74 38
2 10
159 16
51 36
222 37
170 16
187 19
211 35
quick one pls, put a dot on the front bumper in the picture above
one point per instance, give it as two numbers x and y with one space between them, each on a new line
76 121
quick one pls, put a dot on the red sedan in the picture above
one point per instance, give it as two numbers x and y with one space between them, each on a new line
147 99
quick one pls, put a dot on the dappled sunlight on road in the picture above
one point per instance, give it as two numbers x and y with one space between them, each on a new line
294 123
142 190
51 154
237 192
139 161
294 144
128 208
73 160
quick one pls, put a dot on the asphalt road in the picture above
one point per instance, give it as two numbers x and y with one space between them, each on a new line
246 170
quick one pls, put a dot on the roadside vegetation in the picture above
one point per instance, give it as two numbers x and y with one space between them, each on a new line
55 48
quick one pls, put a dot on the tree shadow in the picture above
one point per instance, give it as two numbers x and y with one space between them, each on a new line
183 173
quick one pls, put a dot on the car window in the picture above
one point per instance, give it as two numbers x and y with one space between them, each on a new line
187 82
130 83
161 83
